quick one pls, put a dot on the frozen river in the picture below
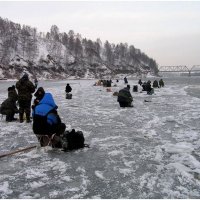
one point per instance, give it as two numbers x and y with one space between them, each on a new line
149 151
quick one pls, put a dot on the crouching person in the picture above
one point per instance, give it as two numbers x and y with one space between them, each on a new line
8 107
47 124
124 97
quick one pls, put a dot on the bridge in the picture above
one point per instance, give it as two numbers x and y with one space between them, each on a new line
180 68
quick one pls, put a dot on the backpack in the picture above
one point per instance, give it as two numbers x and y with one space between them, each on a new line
73 140
68 96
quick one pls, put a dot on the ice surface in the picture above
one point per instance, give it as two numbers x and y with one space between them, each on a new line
148 151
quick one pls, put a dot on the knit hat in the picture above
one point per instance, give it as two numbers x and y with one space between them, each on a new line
25 76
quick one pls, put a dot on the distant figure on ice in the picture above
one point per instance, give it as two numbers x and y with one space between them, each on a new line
108 83
36 83
135 88
161 83
144 86
140 82
46 121
155 84
8 107
68 89
149 89
25 89
124 97
125 80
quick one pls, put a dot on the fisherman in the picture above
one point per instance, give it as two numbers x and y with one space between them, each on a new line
25 89
125 98
39 95
149 89
125 80
140 82
144 86
46 121
8 107
161 83
155 84
68 88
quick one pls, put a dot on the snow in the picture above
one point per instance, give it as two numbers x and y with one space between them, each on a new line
148 151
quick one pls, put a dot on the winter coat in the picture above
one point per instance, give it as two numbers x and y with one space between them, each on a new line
155 84
161 83
140 82
125 95
39 96
25 89
125 80
68 89
45 117
148 87
9 105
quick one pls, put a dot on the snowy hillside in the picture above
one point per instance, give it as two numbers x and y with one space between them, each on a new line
59 55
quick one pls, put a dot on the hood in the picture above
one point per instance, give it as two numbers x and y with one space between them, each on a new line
48 99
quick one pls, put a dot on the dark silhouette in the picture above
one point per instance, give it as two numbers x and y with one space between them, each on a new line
124 97
8 107
25 89
68 88
125 80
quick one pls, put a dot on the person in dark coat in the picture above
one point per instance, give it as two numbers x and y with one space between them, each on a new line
46 120
124 97
161 83
39 95
25 89
68 88
140 82
155 84
125 80
149 89
144 86
8 107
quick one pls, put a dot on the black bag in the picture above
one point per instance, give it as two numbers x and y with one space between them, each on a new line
68 96
73 140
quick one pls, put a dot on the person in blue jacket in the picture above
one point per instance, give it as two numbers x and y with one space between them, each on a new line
46 120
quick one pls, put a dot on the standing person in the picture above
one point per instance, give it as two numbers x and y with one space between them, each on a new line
68 88
155 84
149 89
125 80
25 89
8 107
124 97
161 83
140 82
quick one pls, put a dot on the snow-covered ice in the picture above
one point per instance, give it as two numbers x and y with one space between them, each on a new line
149 151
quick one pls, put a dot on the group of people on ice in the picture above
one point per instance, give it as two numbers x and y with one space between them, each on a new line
125 98
47 124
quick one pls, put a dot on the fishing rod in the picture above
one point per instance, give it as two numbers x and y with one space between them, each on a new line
17 151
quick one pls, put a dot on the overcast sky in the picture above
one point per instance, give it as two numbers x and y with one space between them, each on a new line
167 31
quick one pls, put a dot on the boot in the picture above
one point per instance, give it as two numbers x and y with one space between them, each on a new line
21 120
8 118
28 120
